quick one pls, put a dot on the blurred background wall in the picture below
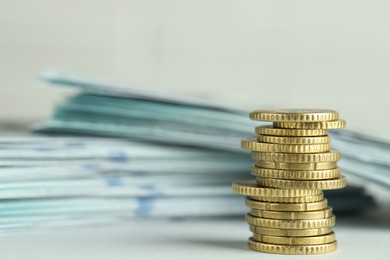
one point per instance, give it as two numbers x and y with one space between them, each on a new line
301 53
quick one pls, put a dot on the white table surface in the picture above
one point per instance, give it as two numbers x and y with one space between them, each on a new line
187 239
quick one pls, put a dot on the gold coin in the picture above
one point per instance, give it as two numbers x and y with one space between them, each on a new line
296 166
303 199
311 125
253 145
331 156
330 184
290 232
299 115
293 140
319 214
250 188
295 175
269 130
295 241
310 206
291 250
291 224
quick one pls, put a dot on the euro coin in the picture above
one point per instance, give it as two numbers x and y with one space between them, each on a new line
296 166
308 206
288 215
330 184
303 199
331 156
293 140
253 145
295 241
270 130
311 125
290 232
250 188
292 250
300 115
290 224
295 175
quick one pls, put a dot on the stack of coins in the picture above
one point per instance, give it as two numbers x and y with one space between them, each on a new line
293 164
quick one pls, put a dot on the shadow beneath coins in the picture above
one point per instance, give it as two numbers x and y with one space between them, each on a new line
225 244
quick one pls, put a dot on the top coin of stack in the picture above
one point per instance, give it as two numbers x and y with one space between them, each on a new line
293 164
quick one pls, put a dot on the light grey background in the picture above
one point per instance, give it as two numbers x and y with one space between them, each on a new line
302 53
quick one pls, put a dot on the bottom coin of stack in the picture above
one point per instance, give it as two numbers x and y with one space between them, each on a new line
288 221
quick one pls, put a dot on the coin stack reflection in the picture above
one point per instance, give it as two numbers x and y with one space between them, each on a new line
293 163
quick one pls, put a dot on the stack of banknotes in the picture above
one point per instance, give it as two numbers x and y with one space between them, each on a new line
103 109
111 154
